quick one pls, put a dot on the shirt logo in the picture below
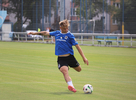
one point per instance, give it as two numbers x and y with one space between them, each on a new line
61 39
66 37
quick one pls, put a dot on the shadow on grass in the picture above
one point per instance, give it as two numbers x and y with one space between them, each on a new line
66 92
61 93
53 93
57 93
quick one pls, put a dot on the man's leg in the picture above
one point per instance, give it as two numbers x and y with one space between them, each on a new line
64 70
78 69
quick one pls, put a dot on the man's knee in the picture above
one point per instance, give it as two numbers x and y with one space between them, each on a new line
78 69
64 69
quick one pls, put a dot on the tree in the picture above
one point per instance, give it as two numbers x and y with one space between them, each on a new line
15 8
29 11
94 7
129 15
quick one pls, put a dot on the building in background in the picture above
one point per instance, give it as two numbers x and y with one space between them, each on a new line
113 21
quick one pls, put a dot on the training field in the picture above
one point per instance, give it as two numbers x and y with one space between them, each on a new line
28 71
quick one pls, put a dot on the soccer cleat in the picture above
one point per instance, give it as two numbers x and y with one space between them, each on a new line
71 88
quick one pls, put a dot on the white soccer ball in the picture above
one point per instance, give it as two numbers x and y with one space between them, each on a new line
88 89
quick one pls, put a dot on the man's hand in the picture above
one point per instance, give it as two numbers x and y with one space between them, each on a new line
86 61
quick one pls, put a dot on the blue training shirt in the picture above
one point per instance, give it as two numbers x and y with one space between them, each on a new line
64 42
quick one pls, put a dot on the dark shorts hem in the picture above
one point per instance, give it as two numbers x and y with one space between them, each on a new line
67 61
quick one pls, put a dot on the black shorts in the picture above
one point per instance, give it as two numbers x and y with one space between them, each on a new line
67 61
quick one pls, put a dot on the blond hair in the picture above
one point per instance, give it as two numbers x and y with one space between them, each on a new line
64 23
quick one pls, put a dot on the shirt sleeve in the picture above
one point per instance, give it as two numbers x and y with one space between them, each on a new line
73 40
53 33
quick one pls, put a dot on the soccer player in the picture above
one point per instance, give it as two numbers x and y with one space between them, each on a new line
64 40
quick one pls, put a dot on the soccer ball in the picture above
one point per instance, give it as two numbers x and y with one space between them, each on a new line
88 89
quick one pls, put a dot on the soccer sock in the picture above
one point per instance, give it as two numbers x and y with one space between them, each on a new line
70 83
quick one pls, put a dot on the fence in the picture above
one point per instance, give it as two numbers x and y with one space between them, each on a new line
34 14
91 39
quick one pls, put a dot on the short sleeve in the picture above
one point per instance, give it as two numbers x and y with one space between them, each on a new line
53 33
73 40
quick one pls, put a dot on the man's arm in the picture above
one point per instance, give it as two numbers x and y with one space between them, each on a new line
40 33
82 54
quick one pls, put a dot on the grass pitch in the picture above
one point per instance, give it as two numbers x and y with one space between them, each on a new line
28 71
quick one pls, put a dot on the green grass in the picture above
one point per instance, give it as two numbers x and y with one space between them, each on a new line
28 71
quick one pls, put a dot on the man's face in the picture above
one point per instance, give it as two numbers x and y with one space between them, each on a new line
64 29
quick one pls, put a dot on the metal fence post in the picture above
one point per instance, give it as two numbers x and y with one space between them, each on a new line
26 37
81 39
123 23
56 10
86 17
71 13
64 9
49 13
43 38
104 40
80 14
93 39
18 37
131 41
42 15
117 40
103 18
22 15
36 14
61 9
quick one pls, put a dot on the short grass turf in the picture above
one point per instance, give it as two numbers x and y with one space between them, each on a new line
28 71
